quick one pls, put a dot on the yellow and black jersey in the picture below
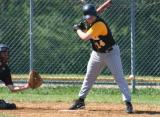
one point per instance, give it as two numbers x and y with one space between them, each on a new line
99 28
102 38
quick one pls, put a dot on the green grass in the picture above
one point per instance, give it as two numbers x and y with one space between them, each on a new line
67 94
4 115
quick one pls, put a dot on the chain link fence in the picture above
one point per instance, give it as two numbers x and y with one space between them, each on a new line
58 51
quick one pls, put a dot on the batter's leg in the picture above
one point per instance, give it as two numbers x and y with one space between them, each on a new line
114 64
95 65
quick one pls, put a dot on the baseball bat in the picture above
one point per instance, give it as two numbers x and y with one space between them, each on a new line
104 6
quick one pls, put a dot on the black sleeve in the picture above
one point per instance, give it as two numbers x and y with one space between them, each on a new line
5 75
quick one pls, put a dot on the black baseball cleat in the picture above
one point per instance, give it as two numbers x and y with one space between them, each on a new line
78 104
129 107
6 105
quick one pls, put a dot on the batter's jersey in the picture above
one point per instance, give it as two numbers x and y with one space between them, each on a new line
102 38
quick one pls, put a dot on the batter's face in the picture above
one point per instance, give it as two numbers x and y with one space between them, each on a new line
91 19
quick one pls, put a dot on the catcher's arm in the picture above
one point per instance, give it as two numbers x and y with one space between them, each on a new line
13 88
34 81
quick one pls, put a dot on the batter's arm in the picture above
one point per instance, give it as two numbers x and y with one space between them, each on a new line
83 35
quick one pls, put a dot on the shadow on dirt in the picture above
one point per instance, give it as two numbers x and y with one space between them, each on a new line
148 112
135 112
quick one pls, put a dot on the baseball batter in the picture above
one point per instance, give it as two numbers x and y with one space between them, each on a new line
5 76
106 53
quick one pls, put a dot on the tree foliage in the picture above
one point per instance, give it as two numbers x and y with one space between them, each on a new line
56 47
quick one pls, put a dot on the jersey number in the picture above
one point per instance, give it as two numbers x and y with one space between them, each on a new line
100 44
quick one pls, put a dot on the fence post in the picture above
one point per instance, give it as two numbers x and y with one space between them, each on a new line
133 81
30 34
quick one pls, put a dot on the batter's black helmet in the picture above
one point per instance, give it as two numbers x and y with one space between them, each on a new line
89 10
3 48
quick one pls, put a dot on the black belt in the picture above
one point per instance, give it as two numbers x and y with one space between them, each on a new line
109 49
106 51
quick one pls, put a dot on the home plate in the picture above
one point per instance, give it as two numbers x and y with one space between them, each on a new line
72 110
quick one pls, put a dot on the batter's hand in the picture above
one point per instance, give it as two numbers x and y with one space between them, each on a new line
82 25
76 27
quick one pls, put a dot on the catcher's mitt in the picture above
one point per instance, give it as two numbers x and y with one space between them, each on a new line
34 80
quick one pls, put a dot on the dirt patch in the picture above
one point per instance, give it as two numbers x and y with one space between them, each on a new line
59 109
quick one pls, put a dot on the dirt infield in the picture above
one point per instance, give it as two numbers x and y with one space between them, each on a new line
59 109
